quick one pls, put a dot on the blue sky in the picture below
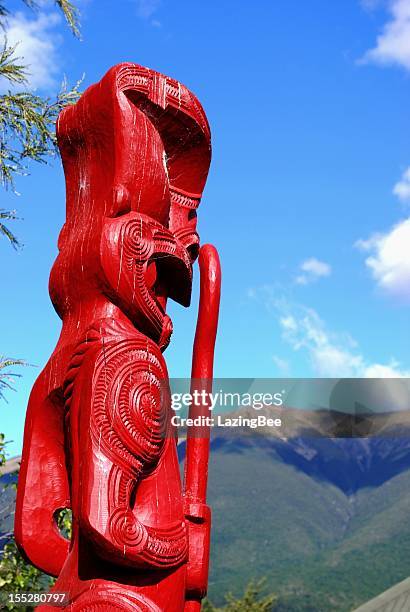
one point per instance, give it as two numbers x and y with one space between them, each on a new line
308 197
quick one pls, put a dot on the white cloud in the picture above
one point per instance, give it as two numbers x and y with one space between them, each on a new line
37 47
282 365
288 323
370 5
393 44
312 269
386 371
389 259
389 252
402 187
146 9
331 355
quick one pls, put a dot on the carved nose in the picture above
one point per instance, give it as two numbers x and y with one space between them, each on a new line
189 239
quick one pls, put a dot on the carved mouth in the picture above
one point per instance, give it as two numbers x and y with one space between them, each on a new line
152 282
173 279
160 304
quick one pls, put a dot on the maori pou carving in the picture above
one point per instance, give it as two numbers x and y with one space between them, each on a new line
98 436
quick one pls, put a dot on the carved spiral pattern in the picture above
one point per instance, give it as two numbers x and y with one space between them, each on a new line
142 238
127 531
137 240
131 402
107 599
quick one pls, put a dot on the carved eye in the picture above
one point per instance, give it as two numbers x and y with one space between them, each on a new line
192 215
151 274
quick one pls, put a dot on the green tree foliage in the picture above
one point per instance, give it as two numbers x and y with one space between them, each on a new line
251 601
8 215
17 575
27 120
6 380
27 127
65 523
71 15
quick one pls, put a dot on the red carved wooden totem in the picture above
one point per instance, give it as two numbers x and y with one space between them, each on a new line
98 436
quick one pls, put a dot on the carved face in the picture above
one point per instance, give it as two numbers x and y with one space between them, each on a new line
144 264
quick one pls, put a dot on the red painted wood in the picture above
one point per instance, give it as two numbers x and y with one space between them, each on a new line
98 437
198 514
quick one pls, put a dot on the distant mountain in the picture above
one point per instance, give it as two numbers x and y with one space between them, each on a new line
324 518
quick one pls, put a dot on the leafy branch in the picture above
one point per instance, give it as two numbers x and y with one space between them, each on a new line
69 10
8 215
9 68
17 575
6 377
251 601
71 14
27 129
